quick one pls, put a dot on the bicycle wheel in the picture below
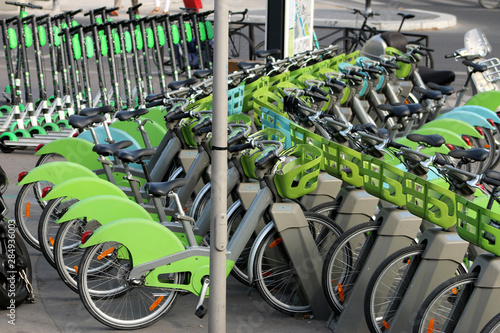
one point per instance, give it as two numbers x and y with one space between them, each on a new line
346 45
201 201
240 46
388 285
48 228
67 251
489 4
328 209
22 262
442 308
487 143
27 211
344 261
111 298
276 278
493 326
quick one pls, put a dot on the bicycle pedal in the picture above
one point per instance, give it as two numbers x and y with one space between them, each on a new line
201 311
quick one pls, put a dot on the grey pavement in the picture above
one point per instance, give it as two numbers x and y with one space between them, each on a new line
59 310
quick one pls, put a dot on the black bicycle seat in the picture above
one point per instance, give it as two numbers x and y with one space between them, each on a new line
475 67
77 121
110 149
445 90
247 65
134 156
176 85
162 189
202 73
126 115
433 140
266 53
477 154
398 110
428 94
406 16
439 77
93 111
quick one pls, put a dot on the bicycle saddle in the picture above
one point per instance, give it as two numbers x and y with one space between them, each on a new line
438 77
428 94
77 121
93 111
266 53
161 189
433 140
477 154
246 65
445 90
395 39
134 156
126 115
110 149
202 73
176 85
398 110
406 16
475 67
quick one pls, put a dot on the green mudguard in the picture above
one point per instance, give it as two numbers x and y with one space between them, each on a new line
105 209
74 150
56 172
84 187
470 117
455 125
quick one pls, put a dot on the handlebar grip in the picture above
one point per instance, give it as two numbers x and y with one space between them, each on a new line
491 181
422 53
448 56
204 123
318 96
318 90
154 104
232 140
181 116
403 60
262 161
354 78
240 147
397 145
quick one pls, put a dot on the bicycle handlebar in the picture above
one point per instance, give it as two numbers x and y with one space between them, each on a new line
21 4
244 13
241 147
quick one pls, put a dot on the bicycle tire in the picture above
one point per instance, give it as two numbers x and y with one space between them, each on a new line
22 261
240 46
493 326
346 45
342 263
103 295
48 228
28 209
328 209
67 252
447 298
389 283
489 4
276 278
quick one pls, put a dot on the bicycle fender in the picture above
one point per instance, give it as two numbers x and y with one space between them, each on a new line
145 239
488 99
105 209
468 116
56 172
449 136
74 150
455 125
480 110
83 187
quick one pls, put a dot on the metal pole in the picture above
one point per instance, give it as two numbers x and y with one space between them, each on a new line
368 6
218 226
55 5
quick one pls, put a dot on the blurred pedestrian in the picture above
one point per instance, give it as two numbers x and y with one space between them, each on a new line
118 3
158 8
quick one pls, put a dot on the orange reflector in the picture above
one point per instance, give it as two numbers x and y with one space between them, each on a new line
28 209
430 327
76 269
276 242
155 303
105 253
266 274
486 146
51 240
454 291
341 292
386 325
185 209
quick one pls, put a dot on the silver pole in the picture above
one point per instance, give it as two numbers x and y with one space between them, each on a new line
368 6
218 226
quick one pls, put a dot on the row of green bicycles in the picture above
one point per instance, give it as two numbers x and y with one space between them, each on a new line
351 188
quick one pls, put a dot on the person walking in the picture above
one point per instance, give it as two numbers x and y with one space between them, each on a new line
118 3
158 8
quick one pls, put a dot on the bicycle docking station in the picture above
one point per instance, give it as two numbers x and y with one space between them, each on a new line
292 225
356 206
445 250
482 304
398 229
326 185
